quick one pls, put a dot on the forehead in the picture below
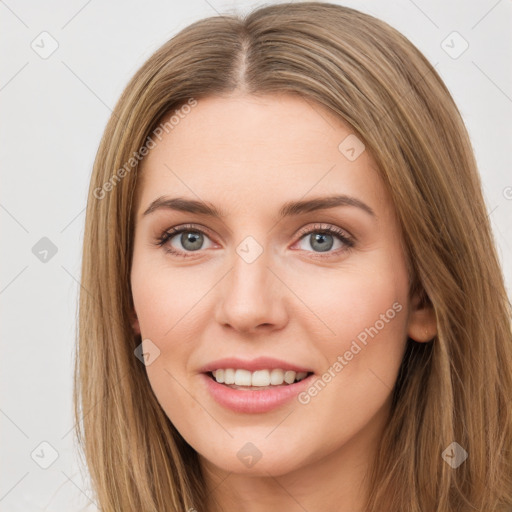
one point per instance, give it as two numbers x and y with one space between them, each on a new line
249 151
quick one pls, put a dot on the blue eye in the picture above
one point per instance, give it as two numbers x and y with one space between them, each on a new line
321 238
322 241
191 240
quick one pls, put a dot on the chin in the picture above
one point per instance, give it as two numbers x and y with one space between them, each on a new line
274 465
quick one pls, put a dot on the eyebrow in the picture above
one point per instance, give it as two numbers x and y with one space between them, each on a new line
291 208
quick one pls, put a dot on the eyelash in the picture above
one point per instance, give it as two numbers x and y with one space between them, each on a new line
330 230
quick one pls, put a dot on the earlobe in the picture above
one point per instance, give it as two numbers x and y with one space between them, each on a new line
422 326
134 321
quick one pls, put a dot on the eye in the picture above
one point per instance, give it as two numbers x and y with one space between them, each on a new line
322 238
190 239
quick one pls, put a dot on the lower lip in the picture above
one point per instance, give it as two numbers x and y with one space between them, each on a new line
259 401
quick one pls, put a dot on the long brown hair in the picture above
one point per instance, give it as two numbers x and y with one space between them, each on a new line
458 388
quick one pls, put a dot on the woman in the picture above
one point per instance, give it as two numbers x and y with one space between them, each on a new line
291 298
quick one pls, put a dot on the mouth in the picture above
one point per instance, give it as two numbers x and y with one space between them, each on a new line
258 380
256 392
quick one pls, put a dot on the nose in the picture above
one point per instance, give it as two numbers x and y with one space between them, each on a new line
252 297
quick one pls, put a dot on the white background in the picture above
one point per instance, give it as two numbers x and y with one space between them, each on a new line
53 112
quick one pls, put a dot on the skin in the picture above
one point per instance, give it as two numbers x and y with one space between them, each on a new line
248 155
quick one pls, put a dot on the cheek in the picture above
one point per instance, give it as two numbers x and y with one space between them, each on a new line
370 291
169 310
169 315
366 310
363 312
163 299
370 308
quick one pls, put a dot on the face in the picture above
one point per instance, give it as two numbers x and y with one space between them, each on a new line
322 291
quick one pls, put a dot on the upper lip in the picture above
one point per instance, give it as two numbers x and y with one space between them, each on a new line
260 363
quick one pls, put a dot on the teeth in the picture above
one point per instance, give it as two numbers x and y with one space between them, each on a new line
259 378
229 376
276 377
289 377
219 376
242 377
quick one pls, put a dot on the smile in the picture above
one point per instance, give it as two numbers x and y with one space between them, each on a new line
255 399
260 379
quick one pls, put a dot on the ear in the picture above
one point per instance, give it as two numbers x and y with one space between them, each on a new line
134 321
422 325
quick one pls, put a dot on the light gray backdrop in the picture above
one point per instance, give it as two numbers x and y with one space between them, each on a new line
64 66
